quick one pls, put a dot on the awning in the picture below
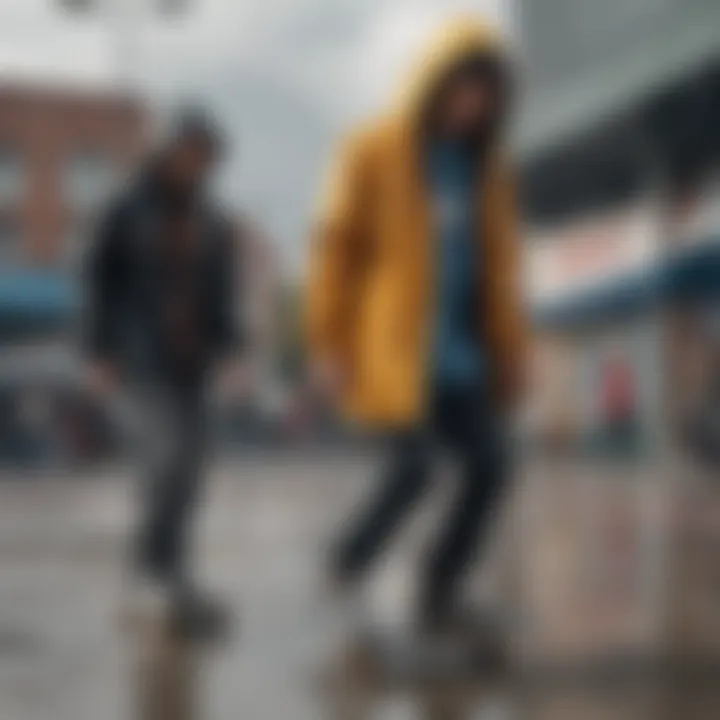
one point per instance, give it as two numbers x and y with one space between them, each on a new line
32 301
661 55
688 276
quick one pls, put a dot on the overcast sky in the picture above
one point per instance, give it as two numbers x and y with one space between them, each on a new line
283 76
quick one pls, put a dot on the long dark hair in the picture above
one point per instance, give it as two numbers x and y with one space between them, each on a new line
490 69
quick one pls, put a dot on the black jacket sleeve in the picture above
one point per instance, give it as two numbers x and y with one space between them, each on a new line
228 323
103 288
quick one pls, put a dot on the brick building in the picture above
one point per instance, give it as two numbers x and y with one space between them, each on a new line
61 152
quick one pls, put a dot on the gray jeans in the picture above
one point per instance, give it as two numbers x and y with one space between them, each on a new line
167 432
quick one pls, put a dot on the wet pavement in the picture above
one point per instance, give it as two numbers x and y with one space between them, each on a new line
63 543
263 529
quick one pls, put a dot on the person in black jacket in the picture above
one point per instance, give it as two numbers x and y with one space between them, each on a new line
162 289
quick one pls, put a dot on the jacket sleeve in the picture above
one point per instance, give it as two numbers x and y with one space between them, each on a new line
229 325
103 279
338 255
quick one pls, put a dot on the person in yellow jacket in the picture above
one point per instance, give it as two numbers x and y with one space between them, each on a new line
415 316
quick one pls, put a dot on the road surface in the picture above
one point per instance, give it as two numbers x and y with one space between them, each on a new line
264 524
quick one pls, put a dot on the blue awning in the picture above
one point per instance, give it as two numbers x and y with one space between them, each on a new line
690 275
35 299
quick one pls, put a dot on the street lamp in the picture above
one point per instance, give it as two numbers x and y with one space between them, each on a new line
78 6
164 7
173 7
124 17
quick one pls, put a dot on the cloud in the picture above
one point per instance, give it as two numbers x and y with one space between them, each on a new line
284 76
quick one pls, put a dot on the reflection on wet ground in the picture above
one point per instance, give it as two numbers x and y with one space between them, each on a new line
63 656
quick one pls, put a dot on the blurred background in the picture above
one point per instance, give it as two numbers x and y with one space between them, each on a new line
616 519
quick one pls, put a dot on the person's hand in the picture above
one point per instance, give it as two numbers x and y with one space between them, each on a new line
235 381
101 379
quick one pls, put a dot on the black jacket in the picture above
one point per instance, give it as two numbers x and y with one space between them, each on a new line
124 292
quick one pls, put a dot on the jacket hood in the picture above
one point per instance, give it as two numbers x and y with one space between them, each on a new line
457 42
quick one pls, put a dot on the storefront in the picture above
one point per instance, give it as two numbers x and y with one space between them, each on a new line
627 310
596 370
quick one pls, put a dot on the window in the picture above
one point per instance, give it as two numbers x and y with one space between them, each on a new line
75 243
10 241
12 175
88 180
